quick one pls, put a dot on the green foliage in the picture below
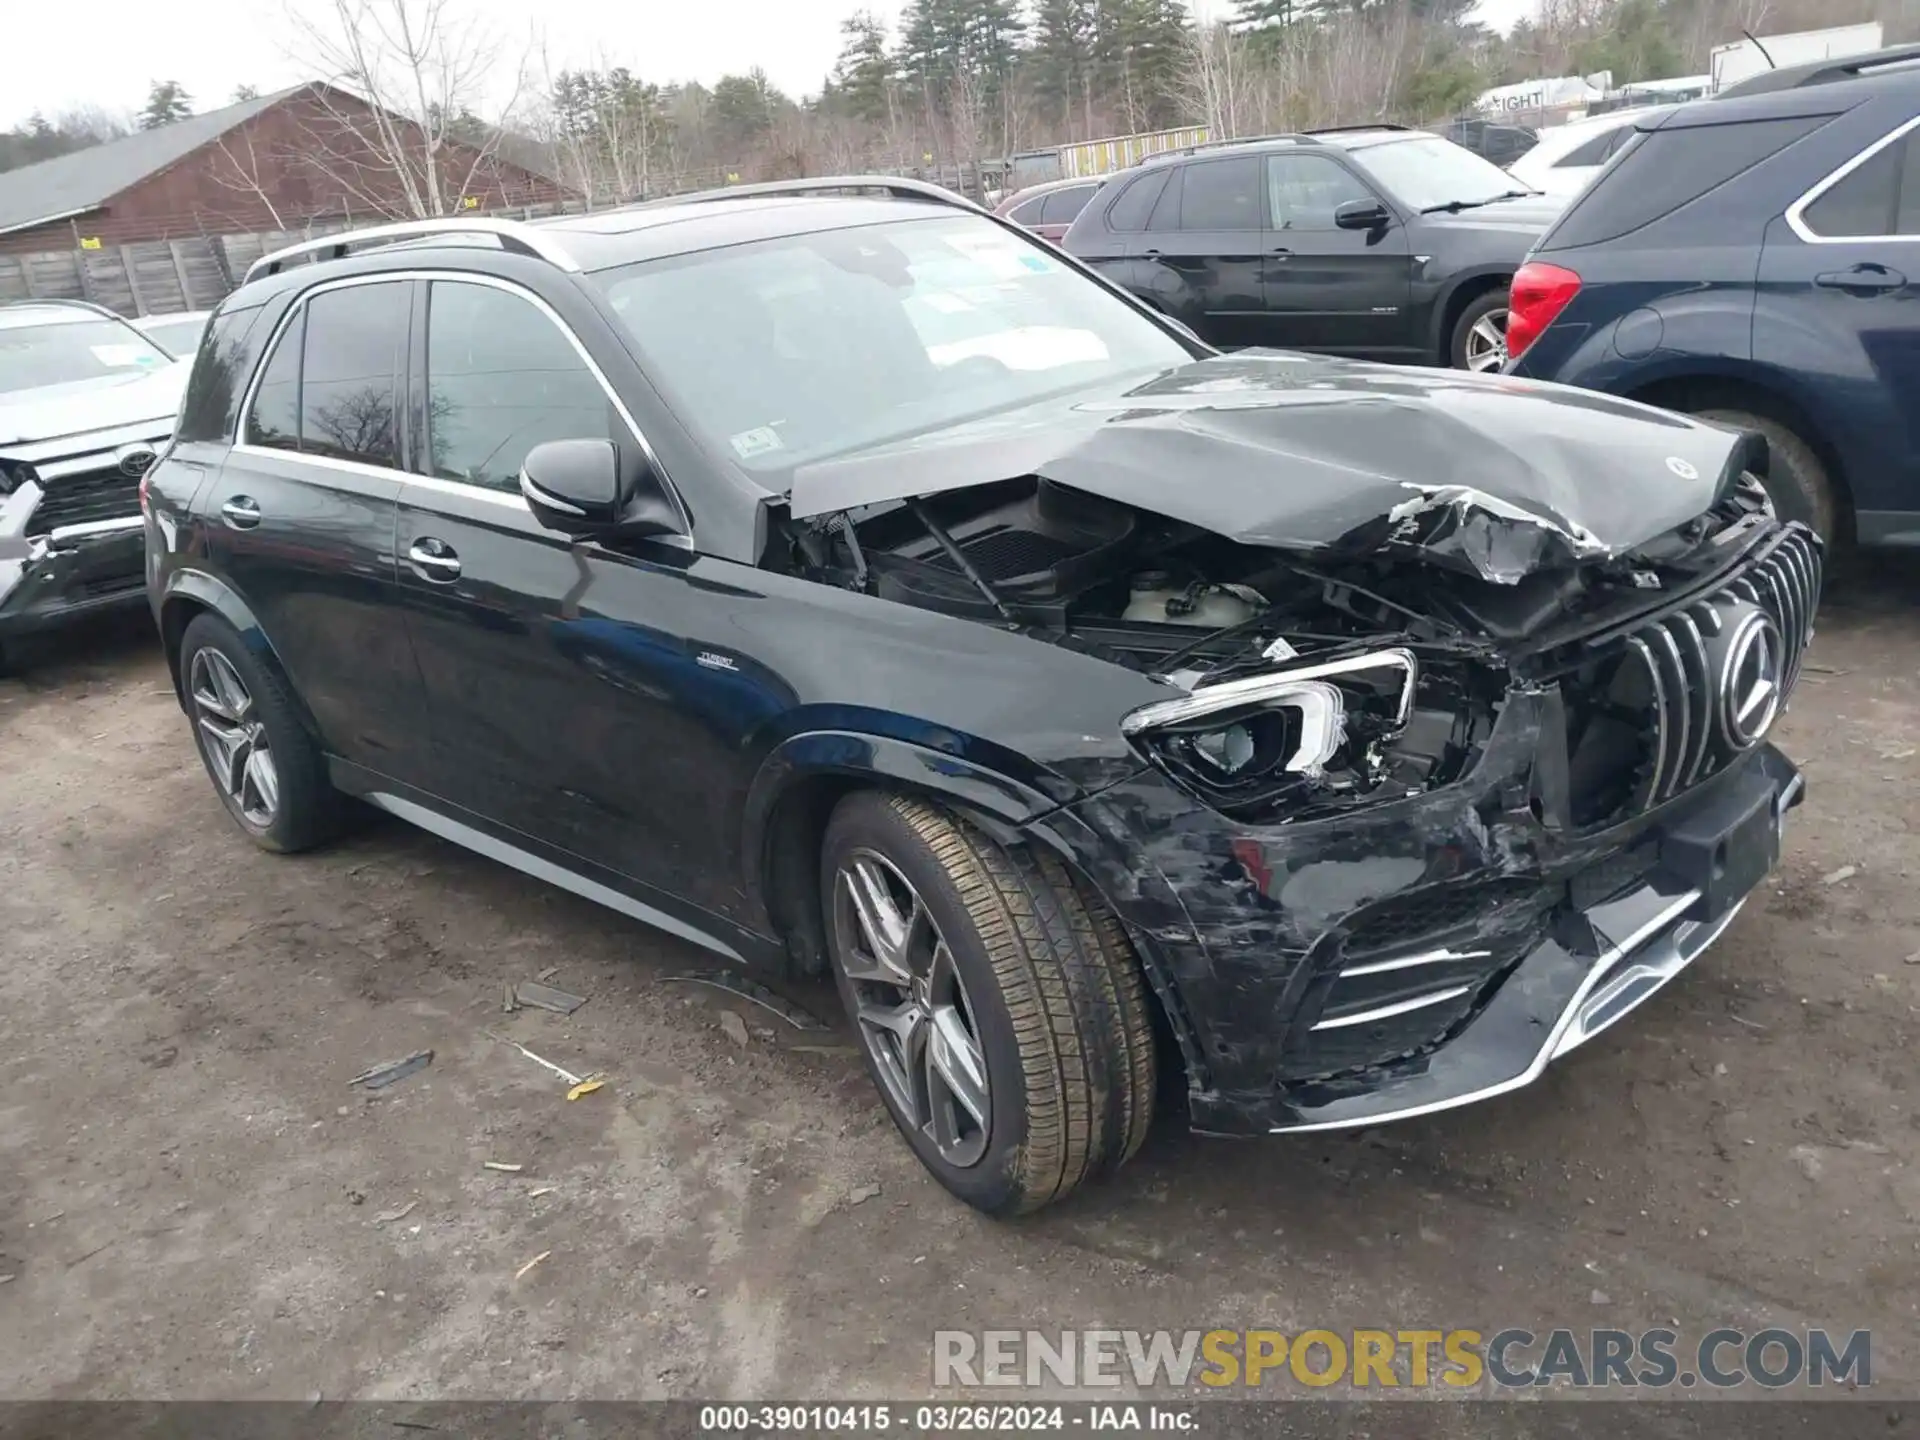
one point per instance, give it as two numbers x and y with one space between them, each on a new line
863 79
1638 44
167 101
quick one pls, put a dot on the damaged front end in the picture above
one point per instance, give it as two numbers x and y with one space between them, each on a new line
1435 792
71 544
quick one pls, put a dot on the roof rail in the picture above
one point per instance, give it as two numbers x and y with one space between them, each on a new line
1354 129
1819 72
86 305
899 186
514 235
1195 149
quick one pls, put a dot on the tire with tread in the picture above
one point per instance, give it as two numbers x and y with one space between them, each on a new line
310 811
1065 1023
1477 308
1796 479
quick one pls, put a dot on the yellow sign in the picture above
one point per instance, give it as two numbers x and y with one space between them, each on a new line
733 177
89 242
469 202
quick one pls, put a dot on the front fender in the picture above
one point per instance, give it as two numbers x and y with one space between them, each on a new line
965 783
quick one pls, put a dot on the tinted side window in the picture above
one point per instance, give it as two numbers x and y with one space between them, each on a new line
1590 152
1221 195
274 419
355 349
1029 212
1882 197
1063 205
1304 190
1130 211
219 376
501 379
1166 214
1669 168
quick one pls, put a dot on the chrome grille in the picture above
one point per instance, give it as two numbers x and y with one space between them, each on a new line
1675 653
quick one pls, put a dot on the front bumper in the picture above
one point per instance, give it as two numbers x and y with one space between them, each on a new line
70 571
1593 973
1427 953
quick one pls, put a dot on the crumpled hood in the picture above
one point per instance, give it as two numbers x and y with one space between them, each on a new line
1495 476
112 401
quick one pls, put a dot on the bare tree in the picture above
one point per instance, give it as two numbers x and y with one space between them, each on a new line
415 148
241 170
1217 87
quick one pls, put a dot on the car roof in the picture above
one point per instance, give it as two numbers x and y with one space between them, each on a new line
1557 139
1893 64
1047 187
604 239
18 315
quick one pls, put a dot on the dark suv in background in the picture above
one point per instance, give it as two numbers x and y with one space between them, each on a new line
1751 259
1382 243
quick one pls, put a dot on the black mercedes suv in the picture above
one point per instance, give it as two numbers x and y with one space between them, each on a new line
841 579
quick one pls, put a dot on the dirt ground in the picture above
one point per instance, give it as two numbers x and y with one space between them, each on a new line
193 1202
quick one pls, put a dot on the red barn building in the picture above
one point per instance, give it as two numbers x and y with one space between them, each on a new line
278 162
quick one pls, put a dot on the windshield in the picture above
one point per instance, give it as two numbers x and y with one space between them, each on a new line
1429 171
790 350
32 356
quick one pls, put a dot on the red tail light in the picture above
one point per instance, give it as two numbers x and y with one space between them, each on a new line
143 489
1540 292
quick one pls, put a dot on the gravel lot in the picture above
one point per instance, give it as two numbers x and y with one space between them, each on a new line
193 1202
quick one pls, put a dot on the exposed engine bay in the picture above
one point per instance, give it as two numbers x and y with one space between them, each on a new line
1296 683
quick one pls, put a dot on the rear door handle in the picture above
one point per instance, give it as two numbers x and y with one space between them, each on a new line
1866 279
434 560
1280 254
242 512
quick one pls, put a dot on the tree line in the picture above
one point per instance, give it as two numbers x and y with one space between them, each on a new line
959 82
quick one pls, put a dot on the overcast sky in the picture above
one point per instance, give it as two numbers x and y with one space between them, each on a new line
107 52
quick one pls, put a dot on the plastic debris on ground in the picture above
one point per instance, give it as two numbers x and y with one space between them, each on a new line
545 997
381 1076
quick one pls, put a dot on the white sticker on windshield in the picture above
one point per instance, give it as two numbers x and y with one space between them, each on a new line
749 443
122 355
1007 259
947 304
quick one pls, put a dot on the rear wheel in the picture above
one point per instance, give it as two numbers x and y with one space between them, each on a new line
266 768
1796 479
1000 1009
1480 334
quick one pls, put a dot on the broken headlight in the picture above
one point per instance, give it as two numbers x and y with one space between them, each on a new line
1300 735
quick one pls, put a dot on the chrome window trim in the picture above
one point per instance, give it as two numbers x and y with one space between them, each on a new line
1796 212
510 498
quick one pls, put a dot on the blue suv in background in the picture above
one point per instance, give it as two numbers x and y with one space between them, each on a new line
1754 259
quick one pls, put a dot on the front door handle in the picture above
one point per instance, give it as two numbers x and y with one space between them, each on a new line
434 560
1863 279
242 512
1281 254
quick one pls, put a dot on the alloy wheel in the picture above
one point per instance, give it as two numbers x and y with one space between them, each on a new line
233 738
1487 342
915 1018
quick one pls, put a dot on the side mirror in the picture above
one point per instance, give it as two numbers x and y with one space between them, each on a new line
578 488
1362 215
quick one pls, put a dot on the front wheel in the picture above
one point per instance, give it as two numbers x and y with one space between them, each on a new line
1796 480
1480 335
1000 1009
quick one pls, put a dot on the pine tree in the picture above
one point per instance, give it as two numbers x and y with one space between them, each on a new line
864 75
167 101
1062 59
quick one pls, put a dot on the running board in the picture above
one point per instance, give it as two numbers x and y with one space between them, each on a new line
527 863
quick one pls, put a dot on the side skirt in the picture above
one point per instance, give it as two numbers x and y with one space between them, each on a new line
728 941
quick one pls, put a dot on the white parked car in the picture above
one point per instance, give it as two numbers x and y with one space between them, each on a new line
1570 155
178 335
